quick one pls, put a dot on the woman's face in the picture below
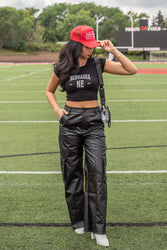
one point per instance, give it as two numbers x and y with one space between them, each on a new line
86 52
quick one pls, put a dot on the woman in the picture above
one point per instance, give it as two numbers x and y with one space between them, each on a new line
81 127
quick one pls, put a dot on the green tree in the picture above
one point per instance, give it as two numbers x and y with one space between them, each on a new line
153 22
115 21
136 17
32 11
25 26
160 19
23 29
93 9
38 33
19 27
165 23
49 19
7 15
16 27
70 21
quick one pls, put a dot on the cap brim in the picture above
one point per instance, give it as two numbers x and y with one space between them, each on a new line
91 44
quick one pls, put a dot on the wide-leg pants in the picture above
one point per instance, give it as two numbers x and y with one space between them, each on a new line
81 133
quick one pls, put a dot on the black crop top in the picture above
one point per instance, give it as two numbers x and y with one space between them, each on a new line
83 86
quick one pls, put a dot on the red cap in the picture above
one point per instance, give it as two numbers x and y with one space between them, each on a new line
85 35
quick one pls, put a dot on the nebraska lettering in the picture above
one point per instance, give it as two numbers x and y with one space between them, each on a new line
80 77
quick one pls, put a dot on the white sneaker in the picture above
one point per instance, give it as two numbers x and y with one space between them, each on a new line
101 239
80 230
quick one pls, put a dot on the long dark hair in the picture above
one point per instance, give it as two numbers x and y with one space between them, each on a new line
68 60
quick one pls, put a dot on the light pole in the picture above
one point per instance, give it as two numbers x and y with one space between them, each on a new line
97 26
132 32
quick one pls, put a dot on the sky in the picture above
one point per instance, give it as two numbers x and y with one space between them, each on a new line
150 7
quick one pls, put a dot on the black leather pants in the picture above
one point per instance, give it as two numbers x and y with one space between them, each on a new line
85 189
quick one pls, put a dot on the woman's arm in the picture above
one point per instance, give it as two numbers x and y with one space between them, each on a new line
123 67
50 94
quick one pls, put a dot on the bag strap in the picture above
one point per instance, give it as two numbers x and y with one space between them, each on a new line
101 83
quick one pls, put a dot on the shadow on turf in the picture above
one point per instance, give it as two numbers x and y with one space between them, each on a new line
48 153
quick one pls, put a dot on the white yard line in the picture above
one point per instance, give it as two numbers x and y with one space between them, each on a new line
136 90
8 102
25 75
109 90
160 100
136 83
152 120
31 184
29 121
108 172
21 91
116 121
30 172
24 63
5 66
135 183
138 172
61 184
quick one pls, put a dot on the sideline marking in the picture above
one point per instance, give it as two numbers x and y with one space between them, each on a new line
108 172
152 71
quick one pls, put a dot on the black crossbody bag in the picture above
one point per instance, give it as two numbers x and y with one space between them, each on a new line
105 112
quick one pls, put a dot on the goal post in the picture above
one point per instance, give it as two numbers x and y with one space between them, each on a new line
158 56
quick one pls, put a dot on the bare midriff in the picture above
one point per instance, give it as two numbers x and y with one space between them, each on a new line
84 104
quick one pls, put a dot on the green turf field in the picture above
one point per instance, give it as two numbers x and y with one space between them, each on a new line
136 142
